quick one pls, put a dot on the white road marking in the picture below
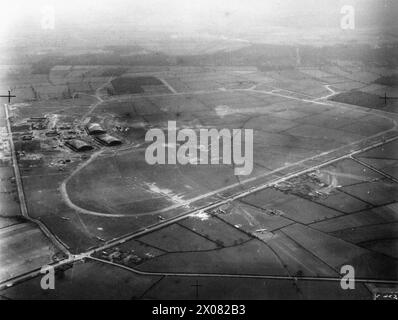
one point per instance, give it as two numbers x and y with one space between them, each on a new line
168 85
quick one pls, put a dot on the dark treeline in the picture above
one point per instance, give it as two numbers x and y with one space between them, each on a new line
44 65
264 56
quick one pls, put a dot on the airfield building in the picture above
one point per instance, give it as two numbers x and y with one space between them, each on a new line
94 129
78 145
108 140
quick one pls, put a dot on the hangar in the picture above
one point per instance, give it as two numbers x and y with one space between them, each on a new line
108 140
94 129
78 145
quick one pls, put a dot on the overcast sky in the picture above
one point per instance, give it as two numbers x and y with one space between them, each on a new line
184 14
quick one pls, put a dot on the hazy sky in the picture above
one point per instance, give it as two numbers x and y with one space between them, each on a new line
181 14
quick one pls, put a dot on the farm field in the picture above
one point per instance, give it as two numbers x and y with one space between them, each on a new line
78 283
23 248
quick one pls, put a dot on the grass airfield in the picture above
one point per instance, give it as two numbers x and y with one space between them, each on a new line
293 225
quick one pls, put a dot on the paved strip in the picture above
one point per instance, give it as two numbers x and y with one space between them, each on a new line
244 276
17 174
168 85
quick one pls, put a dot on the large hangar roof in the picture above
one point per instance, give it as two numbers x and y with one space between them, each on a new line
95 128
108 140
78 145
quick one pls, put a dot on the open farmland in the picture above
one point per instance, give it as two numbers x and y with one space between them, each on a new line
127 85
322 192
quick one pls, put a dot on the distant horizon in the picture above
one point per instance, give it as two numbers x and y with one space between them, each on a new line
217 17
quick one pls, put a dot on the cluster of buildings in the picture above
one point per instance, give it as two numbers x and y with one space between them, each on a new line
124 257
25 130
100 135
34 129
309 186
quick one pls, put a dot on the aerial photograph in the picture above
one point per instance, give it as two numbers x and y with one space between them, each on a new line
210 150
